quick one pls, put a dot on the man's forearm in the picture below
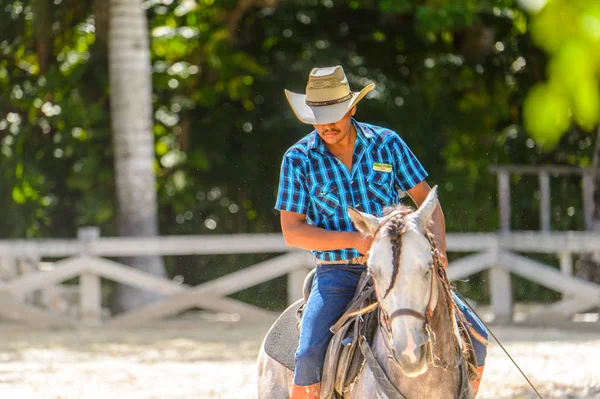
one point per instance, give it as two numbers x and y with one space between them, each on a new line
318 239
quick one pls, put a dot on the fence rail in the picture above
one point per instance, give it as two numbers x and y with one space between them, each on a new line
544 173
224 244
85 257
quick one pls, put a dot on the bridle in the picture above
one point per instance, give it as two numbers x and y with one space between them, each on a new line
426 316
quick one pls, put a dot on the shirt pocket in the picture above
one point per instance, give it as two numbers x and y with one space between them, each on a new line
379 186
325 198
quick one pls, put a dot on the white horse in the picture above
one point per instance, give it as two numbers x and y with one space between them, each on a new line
417 344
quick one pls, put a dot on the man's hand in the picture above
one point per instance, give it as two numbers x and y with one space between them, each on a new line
297 233
363 244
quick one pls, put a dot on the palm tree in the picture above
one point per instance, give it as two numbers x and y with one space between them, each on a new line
133 142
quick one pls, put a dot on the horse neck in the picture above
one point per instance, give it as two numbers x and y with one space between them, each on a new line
442 325
437 381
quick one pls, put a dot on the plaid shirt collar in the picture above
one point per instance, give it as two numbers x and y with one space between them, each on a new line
362 135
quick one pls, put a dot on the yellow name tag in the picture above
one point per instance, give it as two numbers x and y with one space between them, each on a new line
382 167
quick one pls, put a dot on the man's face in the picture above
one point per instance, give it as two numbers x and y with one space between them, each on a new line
333 133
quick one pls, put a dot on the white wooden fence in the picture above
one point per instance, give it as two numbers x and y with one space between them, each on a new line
539 241
85 258
543 173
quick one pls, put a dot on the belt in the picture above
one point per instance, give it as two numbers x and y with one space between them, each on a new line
359 260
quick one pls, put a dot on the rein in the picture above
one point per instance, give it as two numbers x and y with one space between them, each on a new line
503 348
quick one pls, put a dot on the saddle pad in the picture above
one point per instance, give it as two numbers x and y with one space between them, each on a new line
282 339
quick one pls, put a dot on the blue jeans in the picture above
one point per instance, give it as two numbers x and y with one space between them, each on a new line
479 342
332 289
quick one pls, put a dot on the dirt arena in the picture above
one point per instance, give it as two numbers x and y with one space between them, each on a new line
211 358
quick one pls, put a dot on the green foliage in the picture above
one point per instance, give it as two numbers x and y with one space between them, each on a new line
546 115
48 140
573 70
450 79
395 6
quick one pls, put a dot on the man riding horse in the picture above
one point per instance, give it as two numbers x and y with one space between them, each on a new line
343 163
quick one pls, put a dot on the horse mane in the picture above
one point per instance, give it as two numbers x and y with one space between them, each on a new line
395 230
464 345
404 209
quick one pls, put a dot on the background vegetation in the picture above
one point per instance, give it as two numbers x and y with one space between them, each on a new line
451 76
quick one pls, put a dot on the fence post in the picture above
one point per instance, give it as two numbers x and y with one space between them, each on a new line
90 290
587 187
544 182
504 199
500 284
500 292
566 263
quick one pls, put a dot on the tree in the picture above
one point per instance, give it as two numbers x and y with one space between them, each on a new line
571 94
133 142
450 78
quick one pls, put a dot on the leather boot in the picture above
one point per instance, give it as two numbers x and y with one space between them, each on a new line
475 383
306 392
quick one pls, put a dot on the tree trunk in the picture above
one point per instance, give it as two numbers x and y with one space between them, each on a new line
42 27
133 142
588 267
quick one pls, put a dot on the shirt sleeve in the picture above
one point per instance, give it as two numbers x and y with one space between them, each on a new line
410 172
292 194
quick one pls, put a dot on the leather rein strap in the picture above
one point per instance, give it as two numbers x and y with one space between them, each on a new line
384 387
501 346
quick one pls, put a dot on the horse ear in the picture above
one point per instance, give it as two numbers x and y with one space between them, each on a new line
425 211
365 223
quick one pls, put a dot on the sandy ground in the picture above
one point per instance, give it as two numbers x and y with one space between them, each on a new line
216 359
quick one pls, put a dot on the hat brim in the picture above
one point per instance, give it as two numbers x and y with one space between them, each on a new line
325 114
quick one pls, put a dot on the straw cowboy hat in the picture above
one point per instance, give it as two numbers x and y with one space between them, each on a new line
328 97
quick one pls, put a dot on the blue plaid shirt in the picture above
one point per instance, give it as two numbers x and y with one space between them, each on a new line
315 183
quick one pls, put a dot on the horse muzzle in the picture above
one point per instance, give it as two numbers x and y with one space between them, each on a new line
411 354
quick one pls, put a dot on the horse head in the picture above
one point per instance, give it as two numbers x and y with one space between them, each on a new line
403 265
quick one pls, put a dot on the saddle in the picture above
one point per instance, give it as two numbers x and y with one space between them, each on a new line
344 359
